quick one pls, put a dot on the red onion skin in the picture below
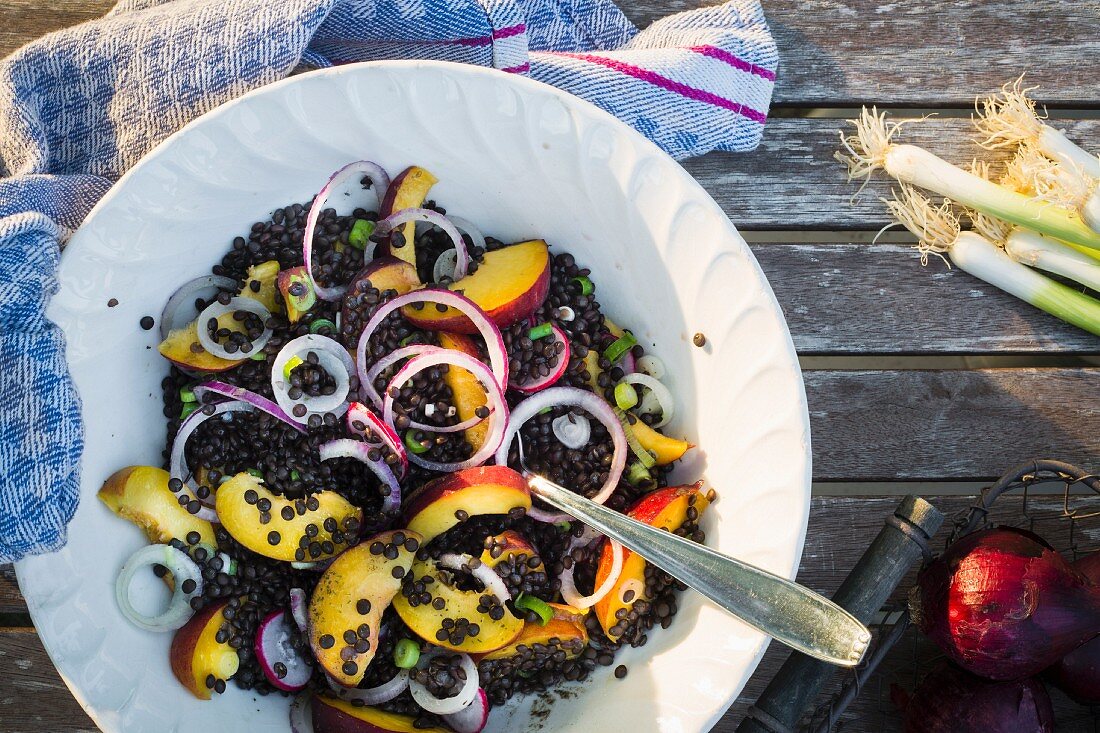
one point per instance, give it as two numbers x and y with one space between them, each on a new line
1078 673
950 700
1003 606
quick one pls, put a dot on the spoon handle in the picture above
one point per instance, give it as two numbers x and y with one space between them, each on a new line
786 611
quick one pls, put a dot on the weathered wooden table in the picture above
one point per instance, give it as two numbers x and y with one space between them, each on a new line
919 379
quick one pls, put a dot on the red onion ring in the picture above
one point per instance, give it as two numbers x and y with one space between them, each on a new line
658 392
351 448
243 395
330 355
374 695
472 718
404 216
447 705
495 400
216 310
556 373
177 461
479 570
569 588
273 645
185 294
494 342
569 397
298 609
380 181
377 433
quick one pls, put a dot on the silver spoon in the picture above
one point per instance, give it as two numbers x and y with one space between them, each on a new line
786 611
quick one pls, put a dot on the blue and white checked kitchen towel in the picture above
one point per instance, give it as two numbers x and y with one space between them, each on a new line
79 107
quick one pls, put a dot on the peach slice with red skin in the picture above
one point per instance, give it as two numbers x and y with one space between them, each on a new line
141 495
665 450
265 275
425 619
508 285
389 273
279 537
337 716
297 291
407 191
466 392
345 611
431 510
196 654
511 544
664 508
566 625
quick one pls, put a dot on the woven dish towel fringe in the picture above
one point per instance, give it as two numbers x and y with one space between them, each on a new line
80 106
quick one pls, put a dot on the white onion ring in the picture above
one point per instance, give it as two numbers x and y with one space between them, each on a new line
660 393
482 573
185 294
447 705
351 448
494 342
498 408
407 352
380 181
258 401
177 460
374 695
465 225
216 310
572 430
444 265
181 566
404 216
335 360
569 588
570 397
298 609
380 434
651 365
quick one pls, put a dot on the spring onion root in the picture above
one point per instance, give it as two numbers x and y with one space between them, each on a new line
871 148
1061 184
939 233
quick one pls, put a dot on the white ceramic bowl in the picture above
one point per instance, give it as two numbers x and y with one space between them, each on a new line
521 159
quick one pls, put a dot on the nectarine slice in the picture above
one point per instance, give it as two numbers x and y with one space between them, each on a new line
407 191
467 393
506 545
266 292
508 285
566 625
665 450
438 504
141 495
183 349
197 657
337 716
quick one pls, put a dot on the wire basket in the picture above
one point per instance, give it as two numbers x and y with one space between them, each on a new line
1027 497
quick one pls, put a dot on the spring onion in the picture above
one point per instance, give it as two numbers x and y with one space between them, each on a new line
258 356
939 233
540 331
255 472
360 233
187 409
291 364
186 395
406 653
322 323
585 284
871 148
625 396
619 347
638 475
1010 119
644 456
413 444
525 602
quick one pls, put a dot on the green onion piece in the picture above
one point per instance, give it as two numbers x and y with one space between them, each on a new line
644 457
545 410
258 356
320 323
540 331
407 340
293 363
360 233
188 408
525 602
186 395
638 475
586 285
625 396
294 475
413 444
564 526
406 654
255 472
620 346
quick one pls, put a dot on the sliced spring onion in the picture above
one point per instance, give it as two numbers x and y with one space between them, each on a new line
525 602
414 445
187 409
183 569
619 347
638 475
585 284
573 430
322 323
540 331
625 396
186 395
406 653
291 364
359 236
658 392
644 456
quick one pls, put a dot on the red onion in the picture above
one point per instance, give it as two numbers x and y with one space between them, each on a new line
373 695
177 461
274 646
350 448
298 603
335 360
473 717
216 310
185 296
376 432
404 216
658 393
448 705
1004 606
495 400
243 395
540 383
360 168
481 572
407 352
950 700
569 588
1078 673
494 343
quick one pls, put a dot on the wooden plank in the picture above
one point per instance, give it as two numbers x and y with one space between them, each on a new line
837 52
11 600
792 180
32 696
877 299
22 21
